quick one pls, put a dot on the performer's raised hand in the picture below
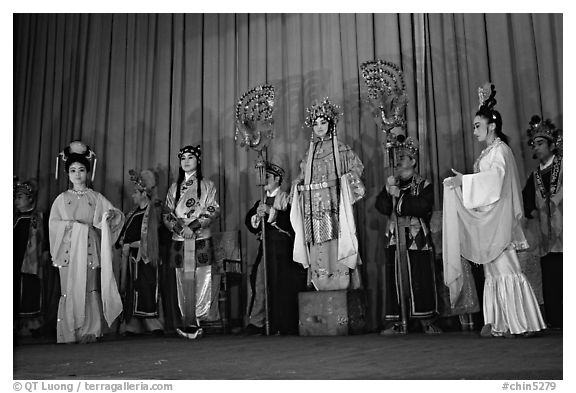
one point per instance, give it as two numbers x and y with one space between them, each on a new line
391 186
456 180
262 210
187 233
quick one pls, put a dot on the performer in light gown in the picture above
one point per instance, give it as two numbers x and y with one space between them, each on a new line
482 222
83 228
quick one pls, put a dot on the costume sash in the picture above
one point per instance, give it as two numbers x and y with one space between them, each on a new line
300 253
111 300
348 242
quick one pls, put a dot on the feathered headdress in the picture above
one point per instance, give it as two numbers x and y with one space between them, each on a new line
79 148
254 122
324 109
387 91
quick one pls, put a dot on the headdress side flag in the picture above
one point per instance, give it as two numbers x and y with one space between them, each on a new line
77 147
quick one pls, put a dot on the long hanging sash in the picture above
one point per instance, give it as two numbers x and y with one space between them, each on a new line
111 300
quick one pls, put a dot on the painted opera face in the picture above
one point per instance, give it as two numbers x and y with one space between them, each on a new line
138 196
404 160
482 128
188 162
321 127
23 202
77 174
272 182
542 148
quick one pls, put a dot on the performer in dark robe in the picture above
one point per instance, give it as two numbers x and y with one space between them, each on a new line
31 265
140 258
285 277
542 197
415 201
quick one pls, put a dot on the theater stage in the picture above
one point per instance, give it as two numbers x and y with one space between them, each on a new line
453 355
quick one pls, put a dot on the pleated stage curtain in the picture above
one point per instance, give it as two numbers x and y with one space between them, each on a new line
138 87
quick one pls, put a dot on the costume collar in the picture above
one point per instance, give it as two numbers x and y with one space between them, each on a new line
273 193
188 176
547 163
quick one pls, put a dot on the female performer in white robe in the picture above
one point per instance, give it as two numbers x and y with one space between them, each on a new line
482 213
83 254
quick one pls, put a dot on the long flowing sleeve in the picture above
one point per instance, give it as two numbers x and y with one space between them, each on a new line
167 217
482 232
485 188
110 230
353 168
115 224
59 228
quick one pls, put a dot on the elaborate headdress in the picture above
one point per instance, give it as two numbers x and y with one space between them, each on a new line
143 181
408 146
544 129
254 122
486 100
274 169
27 188
77 150
196 151
324 109
387 91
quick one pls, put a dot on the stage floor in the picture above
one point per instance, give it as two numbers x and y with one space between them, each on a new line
369 357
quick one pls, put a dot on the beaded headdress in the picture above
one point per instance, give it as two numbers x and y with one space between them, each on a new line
274 169
324 109
486 100
541 129
196 151
77 148
544 129
254 122
408 146
27 188
143 181
387 91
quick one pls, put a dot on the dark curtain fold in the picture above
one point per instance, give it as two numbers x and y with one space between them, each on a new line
138 87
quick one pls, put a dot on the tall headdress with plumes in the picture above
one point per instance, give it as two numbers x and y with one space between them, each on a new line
330 112
486 100
544 129
324 109
254 121
387 91
78 148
